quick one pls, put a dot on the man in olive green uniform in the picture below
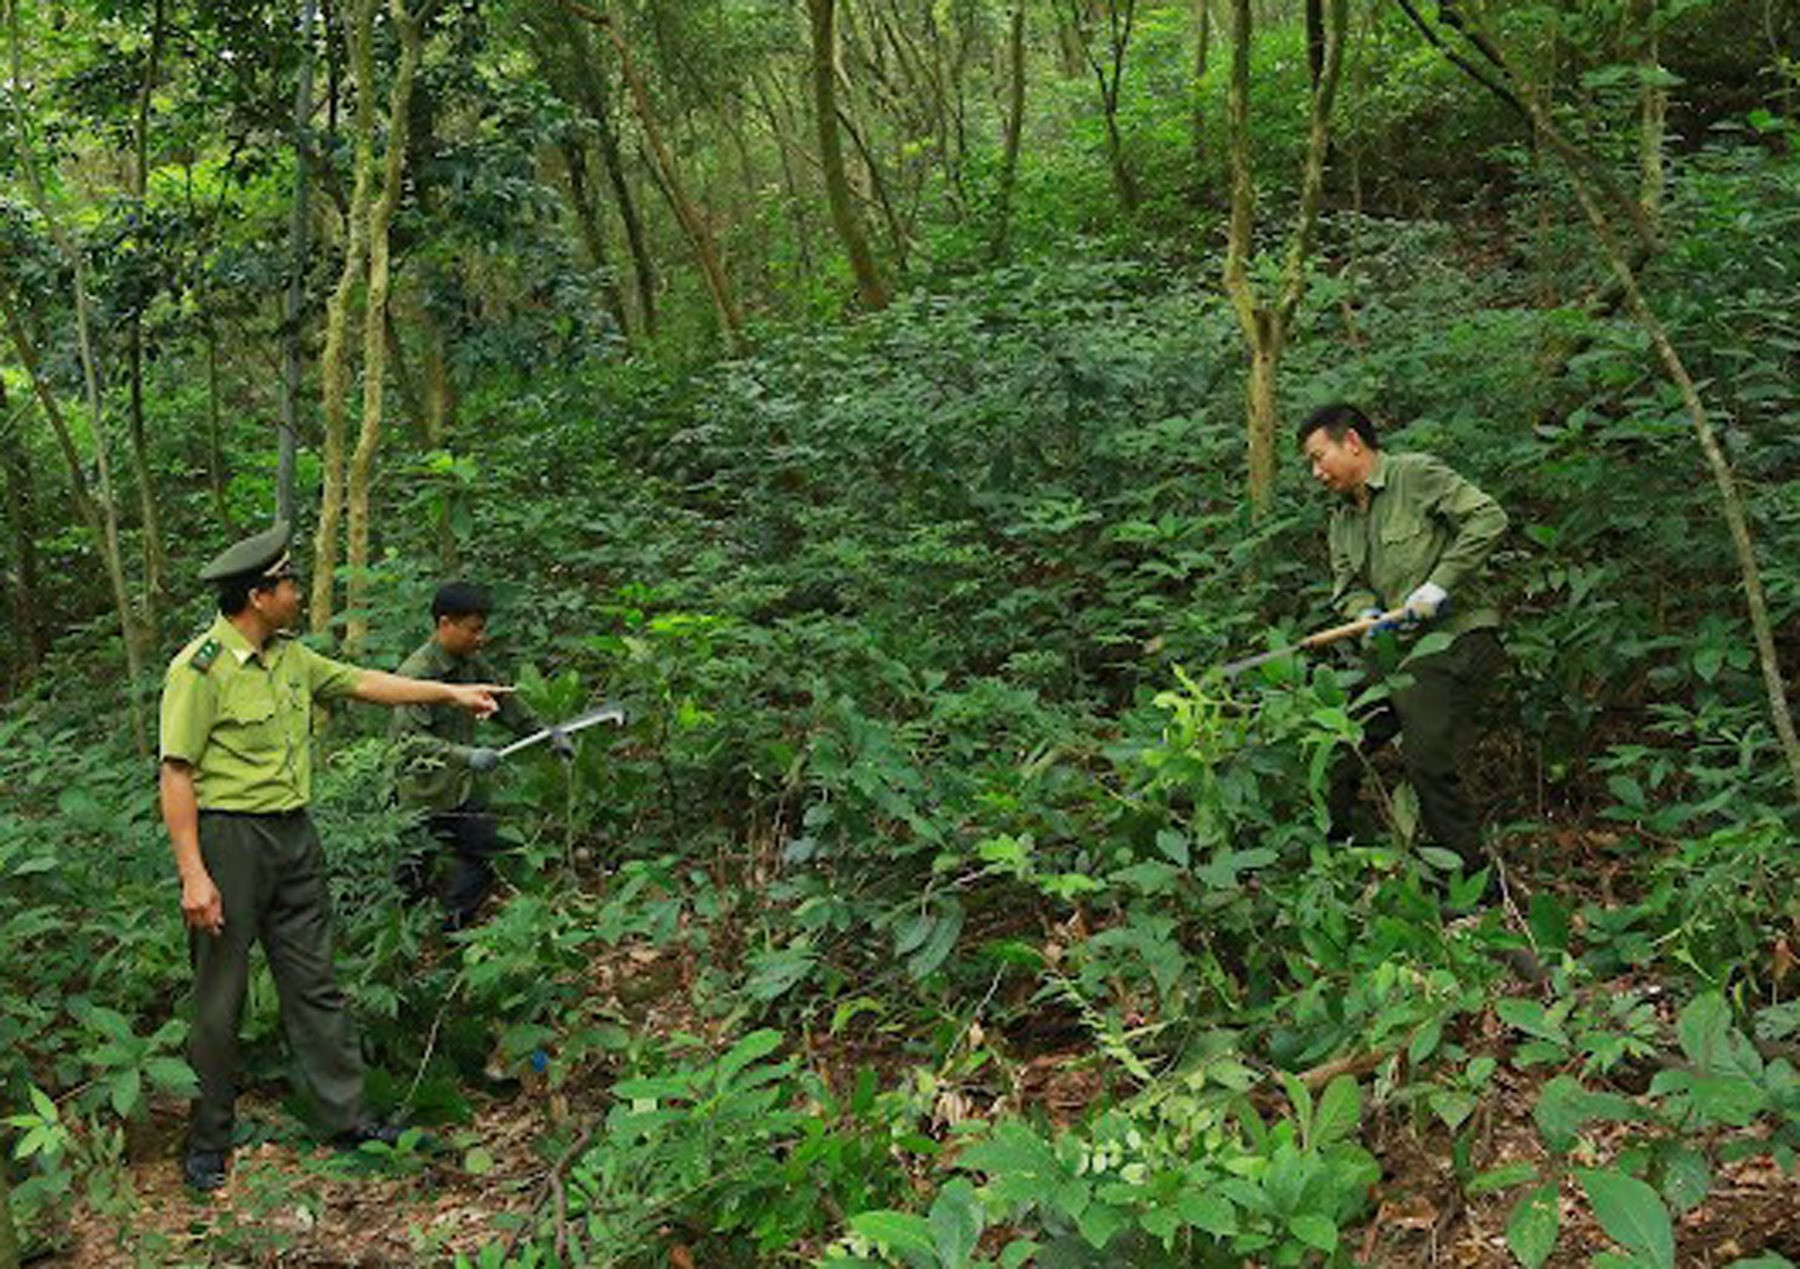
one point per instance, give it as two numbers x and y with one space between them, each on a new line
1410 533
236 776
441 766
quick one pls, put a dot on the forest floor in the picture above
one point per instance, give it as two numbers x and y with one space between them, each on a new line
289 1202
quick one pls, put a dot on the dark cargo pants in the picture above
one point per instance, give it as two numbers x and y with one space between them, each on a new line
473 841
1437 717
271 875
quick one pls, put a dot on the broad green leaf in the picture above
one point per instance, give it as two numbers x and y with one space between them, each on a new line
956 1222
758 1044
1316 1231
937 948
899 1234
1018 1253
1020 1165
1502 1178
1340 1112
1208 1212
1686 1178
1631 1214
478 1162
1533 1226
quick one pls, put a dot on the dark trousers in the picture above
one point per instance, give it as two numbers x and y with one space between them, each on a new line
1438 719
472 839
271 876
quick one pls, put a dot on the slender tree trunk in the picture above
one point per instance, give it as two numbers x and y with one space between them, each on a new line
215 450
1315 42
294 295
693 222
790 183
95 513
1653 111
334 364
1202 58
1605 209
1265 326
440 426
1001 244
642 263
593 233
105 518
1121 18
21 515
375 313
1731 500
844 216
155 558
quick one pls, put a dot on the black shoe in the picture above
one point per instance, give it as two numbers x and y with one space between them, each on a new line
362 1134
204 1170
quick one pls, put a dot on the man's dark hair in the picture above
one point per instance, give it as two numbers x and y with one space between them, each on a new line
460 599
234 591
1337 419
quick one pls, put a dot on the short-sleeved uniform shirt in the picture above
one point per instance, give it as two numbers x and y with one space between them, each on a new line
1422 523
243 719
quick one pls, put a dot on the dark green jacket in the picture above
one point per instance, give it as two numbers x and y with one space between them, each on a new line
432 742
1423 523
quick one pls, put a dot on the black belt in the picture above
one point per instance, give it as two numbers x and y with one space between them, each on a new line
292 813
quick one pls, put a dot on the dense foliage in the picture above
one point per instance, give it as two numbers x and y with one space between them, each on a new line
940 905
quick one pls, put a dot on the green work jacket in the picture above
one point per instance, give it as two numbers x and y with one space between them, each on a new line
432 742
1422 523
242 718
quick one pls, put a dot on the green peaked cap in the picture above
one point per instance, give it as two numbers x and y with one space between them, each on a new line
258 554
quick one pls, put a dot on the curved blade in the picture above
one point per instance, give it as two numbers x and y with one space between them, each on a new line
603 714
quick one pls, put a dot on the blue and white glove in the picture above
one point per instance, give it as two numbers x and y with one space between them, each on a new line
1379 628
1427 602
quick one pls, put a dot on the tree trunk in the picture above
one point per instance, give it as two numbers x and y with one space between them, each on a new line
21 515
104 520
642 264
593 233
1202 56
96 515
294 295
1653 112
440 427
1731 500
790 183
1121 17
334 367
1605 209
155 558
215 450
687 213
1315 42
1265 327
831 153
1001 244
381 215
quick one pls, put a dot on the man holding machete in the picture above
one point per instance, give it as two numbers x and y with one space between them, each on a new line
441 766
1409 533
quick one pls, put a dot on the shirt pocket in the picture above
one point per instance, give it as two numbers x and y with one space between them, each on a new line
249 708
1407 549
